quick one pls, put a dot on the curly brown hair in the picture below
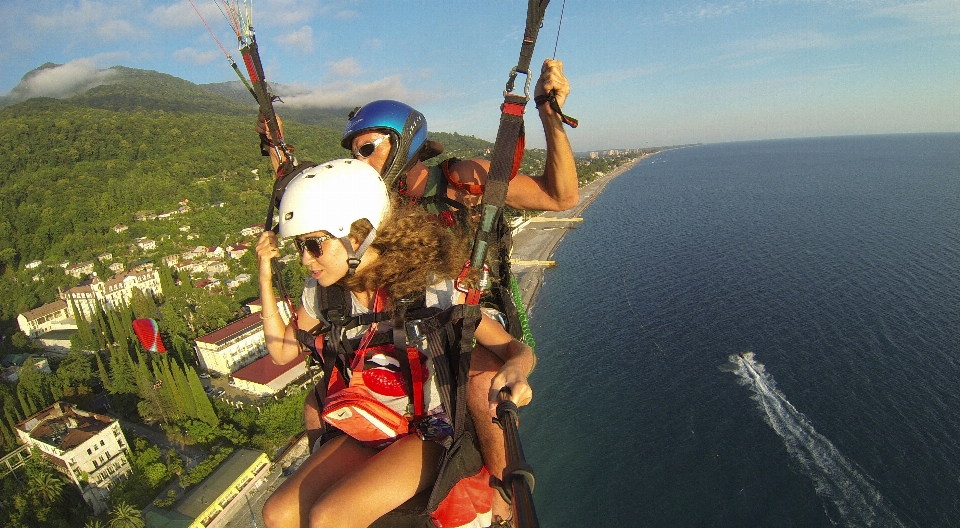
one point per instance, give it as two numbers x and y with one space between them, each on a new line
415 251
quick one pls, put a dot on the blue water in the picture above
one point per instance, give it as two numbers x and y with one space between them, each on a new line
836 262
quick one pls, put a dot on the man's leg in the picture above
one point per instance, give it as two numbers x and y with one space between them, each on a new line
483 366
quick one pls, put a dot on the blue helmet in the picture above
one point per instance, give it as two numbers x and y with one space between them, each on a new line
406 126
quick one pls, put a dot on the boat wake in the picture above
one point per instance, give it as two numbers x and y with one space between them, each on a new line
849 498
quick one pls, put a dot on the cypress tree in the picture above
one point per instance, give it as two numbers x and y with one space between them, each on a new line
102 333
144 377
84 332
126 315
168 390
123 378
9 429
116 332
151 304
139 305
183 389
102 371
167 284
182 349
25 403
204 407
12 416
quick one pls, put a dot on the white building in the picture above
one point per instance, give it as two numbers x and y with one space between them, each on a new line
237 250
234 346
81 269
253 230
88 448
263 377
146 244
113 292
52 316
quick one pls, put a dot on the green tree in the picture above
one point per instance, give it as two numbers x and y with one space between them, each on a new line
48 486
102 371
75 373
122 373
142 304
205 410
84 333
184 390
123 515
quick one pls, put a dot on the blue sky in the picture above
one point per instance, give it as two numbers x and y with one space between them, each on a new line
642 73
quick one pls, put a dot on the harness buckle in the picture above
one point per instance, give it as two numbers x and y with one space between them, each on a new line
473 295
513 76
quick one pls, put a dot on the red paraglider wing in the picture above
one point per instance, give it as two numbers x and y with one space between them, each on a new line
149 334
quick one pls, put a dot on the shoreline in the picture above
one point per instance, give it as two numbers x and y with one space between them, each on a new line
540 242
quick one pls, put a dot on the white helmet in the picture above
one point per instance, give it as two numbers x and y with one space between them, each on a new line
330 197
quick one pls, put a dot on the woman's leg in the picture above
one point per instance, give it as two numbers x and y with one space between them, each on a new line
290 503
383 482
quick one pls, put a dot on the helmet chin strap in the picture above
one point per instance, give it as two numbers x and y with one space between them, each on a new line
354 256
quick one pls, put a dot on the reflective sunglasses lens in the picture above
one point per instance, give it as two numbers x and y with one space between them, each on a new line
312 245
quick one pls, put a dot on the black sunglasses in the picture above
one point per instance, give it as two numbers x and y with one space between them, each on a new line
366 150
312 245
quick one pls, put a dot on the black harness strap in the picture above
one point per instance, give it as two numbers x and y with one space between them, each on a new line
509 146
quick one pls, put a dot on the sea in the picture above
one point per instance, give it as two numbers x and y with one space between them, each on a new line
757 334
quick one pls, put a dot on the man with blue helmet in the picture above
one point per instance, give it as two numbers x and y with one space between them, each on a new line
370 127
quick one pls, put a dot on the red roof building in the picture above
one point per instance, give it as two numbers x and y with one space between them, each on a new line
264 377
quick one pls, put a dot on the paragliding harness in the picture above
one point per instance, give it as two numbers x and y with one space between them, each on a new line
461 494
454 214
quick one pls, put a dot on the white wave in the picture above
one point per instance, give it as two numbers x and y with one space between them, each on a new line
846 490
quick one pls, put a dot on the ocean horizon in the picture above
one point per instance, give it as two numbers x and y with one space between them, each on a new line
756 334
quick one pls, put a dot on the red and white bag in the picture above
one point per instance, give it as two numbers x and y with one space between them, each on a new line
356 412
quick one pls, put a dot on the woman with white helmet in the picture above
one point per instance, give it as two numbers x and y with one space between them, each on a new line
341 221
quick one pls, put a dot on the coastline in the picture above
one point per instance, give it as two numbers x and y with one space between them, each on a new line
537 242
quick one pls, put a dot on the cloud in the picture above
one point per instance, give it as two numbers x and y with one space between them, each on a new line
60 81
943 15
347 93
287 12
117 30
348 67
85 16
300 40
195 57
346 14
181 15
784 42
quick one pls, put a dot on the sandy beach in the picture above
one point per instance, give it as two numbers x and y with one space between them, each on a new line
537 240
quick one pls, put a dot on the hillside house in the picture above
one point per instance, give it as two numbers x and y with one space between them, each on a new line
252 231
80 270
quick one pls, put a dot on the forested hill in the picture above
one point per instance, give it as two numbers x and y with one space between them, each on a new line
74 168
